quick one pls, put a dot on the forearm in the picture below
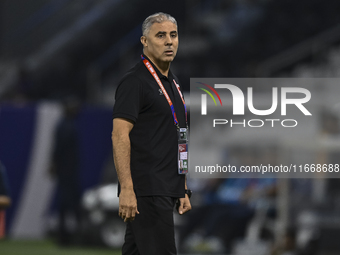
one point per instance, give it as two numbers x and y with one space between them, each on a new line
121 156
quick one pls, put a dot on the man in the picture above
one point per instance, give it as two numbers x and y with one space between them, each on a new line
5 200
65 168
148 115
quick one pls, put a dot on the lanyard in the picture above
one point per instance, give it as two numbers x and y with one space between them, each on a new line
154 74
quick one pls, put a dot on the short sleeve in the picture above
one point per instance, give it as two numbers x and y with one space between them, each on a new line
128 99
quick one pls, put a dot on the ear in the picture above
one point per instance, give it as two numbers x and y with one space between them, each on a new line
143 41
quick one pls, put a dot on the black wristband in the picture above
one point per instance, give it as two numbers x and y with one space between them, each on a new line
188 192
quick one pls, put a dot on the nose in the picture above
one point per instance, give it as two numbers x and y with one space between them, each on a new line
168 40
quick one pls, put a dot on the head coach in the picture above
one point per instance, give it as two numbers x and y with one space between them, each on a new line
149 139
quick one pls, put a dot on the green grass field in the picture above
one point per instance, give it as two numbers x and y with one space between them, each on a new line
10 247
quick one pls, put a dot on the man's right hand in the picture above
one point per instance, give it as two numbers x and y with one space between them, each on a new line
127 205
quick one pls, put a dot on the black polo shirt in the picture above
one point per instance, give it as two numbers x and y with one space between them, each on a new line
154 143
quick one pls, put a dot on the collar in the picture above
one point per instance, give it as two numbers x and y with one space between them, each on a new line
160 75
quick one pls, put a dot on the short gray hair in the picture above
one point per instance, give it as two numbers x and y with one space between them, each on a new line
158 17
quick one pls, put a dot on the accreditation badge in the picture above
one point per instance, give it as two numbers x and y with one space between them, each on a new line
183 151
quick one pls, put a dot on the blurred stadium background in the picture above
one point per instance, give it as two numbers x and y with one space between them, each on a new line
52 50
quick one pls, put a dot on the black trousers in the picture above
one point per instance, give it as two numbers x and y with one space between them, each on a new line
152 231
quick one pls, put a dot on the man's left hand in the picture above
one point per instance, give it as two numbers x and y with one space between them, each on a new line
185 205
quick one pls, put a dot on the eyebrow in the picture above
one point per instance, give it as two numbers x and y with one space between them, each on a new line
163 32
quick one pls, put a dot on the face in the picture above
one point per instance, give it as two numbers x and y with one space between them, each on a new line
161 43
